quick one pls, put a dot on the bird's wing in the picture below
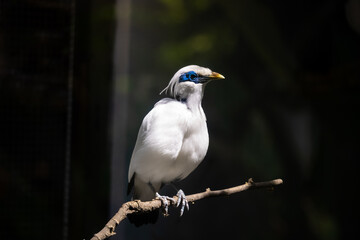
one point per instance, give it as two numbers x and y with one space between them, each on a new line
159 140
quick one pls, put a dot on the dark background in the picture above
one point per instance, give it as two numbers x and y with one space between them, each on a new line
288 108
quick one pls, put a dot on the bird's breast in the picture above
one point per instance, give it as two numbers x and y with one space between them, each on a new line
193 150
196 143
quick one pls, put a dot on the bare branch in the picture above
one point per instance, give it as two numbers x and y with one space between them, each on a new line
138 206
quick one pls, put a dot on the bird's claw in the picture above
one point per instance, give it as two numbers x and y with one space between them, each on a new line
165 202
182 200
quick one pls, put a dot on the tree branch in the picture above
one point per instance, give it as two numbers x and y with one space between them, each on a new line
138 206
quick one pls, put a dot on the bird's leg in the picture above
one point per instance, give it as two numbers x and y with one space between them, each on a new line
182 200
164 199
165 202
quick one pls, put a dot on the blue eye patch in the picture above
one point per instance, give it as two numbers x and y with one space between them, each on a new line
189 76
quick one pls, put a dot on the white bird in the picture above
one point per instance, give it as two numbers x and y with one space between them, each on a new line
172 141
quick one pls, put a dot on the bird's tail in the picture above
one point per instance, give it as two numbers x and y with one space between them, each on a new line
144 192
142 218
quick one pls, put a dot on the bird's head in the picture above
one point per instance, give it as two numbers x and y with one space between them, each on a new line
190 79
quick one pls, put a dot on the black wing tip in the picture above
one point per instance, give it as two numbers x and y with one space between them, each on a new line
141 218
131 184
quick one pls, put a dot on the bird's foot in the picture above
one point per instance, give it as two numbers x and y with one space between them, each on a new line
165 202
182 200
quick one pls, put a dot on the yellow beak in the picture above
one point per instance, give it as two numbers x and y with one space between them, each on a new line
215 75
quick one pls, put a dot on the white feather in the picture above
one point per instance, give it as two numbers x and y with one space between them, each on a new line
171 142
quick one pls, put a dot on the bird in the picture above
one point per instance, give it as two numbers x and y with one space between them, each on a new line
172 141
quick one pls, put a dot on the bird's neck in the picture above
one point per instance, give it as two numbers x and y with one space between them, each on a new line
193 100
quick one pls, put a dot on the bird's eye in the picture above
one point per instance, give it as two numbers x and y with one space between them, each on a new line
192 76
189 76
